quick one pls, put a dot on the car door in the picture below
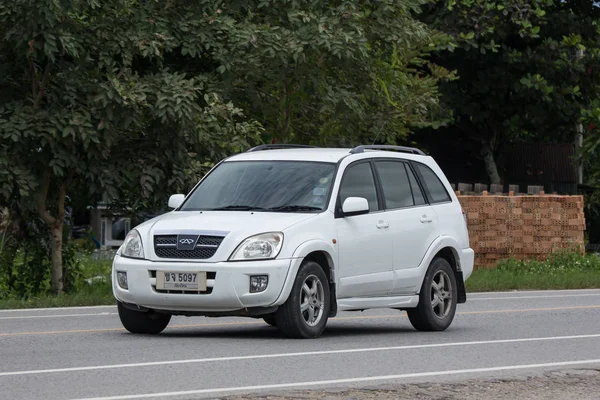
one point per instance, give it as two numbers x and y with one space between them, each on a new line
412 221
364 241
449 214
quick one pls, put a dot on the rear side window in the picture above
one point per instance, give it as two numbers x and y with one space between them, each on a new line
416 189
358 182
395 184
434 187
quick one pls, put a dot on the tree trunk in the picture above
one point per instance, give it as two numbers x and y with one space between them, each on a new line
55 224
57 262
490 163
285 107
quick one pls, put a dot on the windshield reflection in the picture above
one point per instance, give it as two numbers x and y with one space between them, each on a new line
283 186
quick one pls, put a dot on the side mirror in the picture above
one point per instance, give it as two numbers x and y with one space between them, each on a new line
176 200
355 206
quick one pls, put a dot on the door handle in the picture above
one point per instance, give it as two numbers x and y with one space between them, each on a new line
425 219
383 225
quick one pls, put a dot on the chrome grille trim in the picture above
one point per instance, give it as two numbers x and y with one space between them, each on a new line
165 246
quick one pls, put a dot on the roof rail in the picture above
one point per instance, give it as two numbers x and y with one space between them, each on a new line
279 146
361 149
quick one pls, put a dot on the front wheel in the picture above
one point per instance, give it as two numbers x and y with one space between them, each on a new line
142 322
305 313
437 300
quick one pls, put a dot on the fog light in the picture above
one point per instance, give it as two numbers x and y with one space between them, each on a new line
258 283
122 279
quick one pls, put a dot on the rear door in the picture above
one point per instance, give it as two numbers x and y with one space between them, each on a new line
448 212
413 222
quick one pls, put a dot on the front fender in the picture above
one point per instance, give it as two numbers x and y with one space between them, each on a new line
299 254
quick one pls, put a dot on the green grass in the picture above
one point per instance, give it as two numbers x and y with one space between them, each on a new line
561 271
96 295
490 281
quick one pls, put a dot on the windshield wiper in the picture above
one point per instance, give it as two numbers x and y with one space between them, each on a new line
295 207
237 207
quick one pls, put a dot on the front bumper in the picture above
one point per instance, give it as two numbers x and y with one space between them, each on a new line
228 290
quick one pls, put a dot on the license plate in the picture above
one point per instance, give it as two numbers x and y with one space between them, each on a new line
181 280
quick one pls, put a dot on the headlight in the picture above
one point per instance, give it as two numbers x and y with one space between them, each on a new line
259 247
132 246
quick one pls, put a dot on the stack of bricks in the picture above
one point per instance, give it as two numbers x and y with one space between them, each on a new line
522 227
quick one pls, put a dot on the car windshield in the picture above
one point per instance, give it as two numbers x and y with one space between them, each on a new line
283 186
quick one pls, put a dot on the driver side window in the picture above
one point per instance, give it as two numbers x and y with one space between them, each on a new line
358 181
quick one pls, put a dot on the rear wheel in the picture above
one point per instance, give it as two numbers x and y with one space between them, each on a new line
305 313
437 300
142 322
270 319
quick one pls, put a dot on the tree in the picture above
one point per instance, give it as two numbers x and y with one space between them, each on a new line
87 100
526 69
135 99
336 73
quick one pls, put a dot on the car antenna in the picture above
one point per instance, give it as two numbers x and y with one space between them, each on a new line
378 133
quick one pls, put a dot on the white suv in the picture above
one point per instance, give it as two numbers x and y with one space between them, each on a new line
294 234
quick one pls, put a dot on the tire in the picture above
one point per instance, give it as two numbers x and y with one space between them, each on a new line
270 319
296 318
142 322
431 314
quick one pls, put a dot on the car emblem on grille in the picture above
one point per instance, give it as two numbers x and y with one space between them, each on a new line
186 242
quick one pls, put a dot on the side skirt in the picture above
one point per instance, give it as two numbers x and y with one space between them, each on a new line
363 303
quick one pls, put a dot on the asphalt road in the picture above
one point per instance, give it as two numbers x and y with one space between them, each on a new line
83 353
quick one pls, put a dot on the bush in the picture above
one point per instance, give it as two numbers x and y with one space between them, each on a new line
88 276
25 263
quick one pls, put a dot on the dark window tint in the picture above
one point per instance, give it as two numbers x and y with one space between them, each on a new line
395 184
433 185
358 182
416 190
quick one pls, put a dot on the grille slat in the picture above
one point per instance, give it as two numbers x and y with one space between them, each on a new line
165 246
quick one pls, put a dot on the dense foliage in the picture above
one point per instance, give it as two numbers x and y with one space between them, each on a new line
127 101
529 70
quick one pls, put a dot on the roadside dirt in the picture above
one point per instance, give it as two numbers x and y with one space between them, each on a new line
567 385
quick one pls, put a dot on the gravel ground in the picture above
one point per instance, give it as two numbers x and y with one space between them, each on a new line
581 384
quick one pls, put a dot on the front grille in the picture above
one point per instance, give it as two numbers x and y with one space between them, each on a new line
165 246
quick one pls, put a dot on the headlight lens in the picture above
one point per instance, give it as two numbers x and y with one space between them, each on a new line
132 246
259 247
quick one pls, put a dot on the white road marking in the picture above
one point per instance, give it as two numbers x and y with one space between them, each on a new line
55 308
61 316
347 380
533 297
298 354
532 291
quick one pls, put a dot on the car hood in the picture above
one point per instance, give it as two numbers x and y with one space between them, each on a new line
234 225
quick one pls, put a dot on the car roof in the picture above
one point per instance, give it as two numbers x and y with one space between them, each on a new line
332 155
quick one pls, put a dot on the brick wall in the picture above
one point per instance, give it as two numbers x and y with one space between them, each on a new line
522 226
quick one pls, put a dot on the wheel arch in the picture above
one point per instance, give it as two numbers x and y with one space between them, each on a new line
450 254
325 260
447 248
323 254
